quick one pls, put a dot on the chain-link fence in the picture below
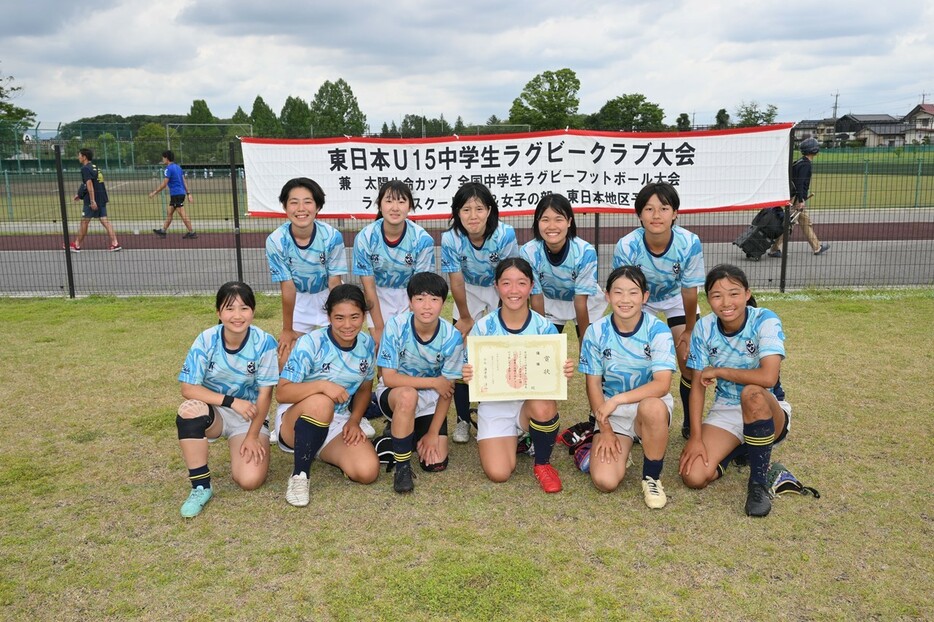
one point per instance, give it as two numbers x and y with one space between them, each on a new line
874 207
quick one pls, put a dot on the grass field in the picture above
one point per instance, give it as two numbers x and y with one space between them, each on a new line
92 480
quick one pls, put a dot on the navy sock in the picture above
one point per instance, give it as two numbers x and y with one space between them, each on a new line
759 436
543 435
200 476
402 447
309 437
684 388
652 468
462 401
740 450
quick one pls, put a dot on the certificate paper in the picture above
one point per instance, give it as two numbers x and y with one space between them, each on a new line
518 367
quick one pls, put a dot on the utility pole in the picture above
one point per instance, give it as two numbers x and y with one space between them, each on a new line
836 96
923 95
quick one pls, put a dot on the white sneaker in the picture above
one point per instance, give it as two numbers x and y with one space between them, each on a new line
297 491
461 432
654 493
367 428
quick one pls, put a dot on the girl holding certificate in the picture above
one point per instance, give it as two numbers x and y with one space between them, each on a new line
498 422
629 357
470 251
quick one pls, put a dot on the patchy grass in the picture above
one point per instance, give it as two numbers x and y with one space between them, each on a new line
92 479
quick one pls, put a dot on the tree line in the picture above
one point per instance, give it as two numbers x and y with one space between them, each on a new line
548 101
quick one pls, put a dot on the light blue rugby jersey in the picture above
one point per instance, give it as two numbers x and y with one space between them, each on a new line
760 336
576 275
492 324
478 265
316 356
308 267
238 374
626 361
392 265
402 350
680 266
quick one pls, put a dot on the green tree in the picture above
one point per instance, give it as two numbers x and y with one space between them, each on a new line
723 120
752 114
200 113
264 120
548 101
629 113
493 120
295 118
459 125
13 119
240 117
684 122
150 142
335 112
200 136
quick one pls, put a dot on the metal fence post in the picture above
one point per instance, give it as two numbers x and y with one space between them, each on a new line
865 183
783 273
236 209
918 184
9 195
65 236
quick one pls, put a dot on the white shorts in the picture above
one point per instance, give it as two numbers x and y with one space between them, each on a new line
480 301
427 400
233 424
623 419
562 311
336 427
498 419
392 302
309 312
670 307
730 418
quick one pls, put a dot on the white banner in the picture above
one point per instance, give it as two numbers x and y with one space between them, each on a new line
598 171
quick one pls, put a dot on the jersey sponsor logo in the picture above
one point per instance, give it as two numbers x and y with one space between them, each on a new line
647 351
608 354
409 260
374 259
574 275
322 258
714 351
364 367
494 257
211 366
751 346
325 367
676 269
251 367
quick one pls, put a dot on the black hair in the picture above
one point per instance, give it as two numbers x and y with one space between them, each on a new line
346 292
728 272
395 189
232 290
665 192
88 153
168 155
427 283
474 190
633 273
303 182
518 263
560 204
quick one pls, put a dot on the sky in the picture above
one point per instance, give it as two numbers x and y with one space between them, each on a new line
470 58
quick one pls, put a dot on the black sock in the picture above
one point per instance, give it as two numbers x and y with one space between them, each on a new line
309 437
402 448
200 476
462 401
684 388
759 436
652 468
543 435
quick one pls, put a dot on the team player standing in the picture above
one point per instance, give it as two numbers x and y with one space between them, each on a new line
327 363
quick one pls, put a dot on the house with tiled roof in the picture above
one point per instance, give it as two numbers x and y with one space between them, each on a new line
882 134
920 125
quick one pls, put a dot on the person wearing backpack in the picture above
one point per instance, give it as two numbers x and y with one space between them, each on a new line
801 181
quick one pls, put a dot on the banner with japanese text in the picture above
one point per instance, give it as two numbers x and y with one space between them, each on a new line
598 171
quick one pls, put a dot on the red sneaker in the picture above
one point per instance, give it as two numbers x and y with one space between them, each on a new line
74 248
548 477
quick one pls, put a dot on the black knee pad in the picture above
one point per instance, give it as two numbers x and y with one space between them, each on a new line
194 427
433 468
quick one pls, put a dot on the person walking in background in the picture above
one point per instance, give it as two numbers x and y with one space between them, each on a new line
94 194
801 183
178 190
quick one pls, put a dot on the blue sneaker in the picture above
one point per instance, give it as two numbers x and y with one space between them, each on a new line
196 501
